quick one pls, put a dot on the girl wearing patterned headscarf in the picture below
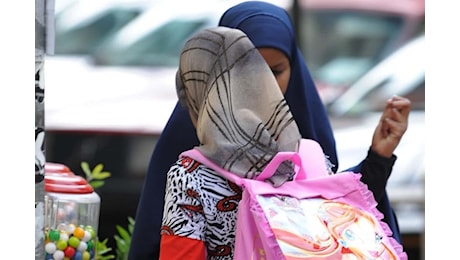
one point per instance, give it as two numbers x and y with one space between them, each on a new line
242 120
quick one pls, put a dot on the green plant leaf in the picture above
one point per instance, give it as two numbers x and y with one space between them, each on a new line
96 184
123 240
101 175
98 168
123 233
121 244
102 243
102 249
85 167
131 225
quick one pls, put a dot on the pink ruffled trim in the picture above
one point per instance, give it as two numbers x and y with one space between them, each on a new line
372 206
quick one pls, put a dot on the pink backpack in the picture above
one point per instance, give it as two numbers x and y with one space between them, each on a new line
315 216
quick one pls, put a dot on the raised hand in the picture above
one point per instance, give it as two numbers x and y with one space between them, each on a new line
391 127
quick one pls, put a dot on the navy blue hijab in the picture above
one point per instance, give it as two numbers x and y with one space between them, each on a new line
267 26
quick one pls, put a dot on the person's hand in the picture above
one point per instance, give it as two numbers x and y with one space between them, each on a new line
392 126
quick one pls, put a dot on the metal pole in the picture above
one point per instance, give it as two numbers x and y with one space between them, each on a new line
44 43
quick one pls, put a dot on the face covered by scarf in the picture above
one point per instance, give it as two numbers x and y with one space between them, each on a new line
242 117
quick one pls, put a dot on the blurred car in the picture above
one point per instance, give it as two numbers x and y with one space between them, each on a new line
129 71
402 73
80 26
343 39
131 40
78 94
355 114
123 43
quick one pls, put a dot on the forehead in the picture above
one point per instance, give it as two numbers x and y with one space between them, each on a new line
273 56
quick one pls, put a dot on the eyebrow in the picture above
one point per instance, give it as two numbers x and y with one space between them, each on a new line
279 65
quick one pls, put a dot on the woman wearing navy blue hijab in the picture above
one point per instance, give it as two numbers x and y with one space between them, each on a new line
268 26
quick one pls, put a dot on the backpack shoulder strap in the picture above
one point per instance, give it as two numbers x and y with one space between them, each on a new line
197 155
309 160
313 158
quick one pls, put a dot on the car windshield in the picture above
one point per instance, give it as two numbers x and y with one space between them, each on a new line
373 100
401 73
85 35
340 46
160 47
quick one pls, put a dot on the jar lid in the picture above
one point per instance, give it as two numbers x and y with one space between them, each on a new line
59 178
52 168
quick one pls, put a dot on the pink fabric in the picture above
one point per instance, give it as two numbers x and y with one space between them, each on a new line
257 237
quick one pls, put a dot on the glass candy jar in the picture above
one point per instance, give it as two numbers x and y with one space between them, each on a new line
71 215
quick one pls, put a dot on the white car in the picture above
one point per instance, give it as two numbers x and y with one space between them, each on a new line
343 39
129 71
80 26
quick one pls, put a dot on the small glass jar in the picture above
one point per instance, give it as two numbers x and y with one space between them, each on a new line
71 215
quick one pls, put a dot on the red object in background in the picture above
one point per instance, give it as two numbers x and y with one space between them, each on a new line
57 168
59 178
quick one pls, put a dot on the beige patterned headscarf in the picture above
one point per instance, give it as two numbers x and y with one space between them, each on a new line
242 117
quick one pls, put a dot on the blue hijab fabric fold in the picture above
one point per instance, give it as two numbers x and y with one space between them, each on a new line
266 25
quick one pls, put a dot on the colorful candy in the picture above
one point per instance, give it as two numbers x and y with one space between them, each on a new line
83 246
74 242
70 242
50 248
69 251
58 255
79 232
61 244
54 235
